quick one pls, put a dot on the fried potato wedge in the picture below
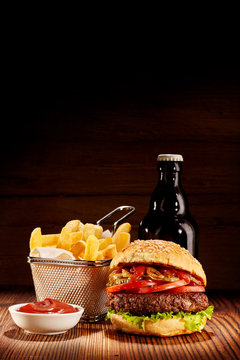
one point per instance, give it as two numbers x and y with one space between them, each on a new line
76 236
92 229
109 252
80 227
122 241
125 227
91 251
50 240
103 243
36 238
65 241
100 255
73 225
78 249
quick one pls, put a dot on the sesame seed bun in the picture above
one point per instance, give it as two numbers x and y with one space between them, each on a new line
159 252
163 327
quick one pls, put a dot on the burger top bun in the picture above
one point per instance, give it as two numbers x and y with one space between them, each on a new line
159 252
162 327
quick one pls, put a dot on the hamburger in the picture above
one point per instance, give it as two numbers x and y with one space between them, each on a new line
156 287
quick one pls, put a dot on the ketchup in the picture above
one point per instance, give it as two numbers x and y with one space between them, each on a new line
47 306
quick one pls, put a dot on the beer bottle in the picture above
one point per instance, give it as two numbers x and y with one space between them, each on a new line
168 217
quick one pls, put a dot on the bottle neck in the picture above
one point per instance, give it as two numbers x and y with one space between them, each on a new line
169 173
169 197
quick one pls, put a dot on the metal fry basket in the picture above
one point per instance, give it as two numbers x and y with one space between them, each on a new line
77 282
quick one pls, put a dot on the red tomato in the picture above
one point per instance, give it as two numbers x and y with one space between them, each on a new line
183 276
138 271
184 289
162 287
132 285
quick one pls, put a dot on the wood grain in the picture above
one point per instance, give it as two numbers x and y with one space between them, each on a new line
95 168
219 340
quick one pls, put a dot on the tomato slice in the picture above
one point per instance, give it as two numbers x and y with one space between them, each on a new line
184 289
162 287
183 276
133 285
148 286
138 271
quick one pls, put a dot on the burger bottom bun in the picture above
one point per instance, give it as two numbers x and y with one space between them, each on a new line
162 327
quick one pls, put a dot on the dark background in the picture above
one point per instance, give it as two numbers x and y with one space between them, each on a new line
78 146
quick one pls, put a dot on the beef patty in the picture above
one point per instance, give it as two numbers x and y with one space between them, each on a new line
139 304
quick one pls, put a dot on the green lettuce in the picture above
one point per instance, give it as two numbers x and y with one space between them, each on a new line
193 321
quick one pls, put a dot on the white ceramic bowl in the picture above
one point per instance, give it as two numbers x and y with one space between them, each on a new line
45 324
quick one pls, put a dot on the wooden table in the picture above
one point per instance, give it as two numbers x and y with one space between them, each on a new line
219 340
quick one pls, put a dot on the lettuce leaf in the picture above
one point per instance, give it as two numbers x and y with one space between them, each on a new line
193 321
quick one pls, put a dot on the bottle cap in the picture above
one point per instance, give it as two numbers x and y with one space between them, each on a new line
169 157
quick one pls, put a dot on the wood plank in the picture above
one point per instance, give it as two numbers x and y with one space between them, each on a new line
202 111
219 339
217 247
52 212
116 168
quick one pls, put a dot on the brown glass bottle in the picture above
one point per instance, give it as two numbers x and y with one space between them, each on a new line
168 217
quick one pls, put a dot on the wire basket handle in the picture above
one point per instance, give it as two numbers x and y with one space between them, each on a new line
120 208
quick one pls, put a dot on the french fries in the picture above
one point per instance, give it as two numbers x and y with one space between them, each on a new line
91 251
50 240
103 243
36 238
76 236
78 249
65 241
91 229
73 225
126 227
122 240
84 241
110 251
